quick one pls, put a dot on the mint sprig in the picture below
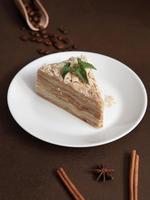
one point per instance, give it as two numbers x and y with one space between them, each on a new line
81 73
78 69
85 64
66 69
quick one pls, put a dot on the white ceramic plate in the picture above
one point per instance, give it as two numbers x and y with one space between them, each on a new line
52 124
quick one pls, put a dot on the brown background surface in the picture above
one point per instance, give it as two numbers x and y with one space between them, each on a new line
120 29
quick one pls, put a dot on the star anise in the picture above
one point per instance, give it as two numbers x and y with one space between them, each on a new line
103 173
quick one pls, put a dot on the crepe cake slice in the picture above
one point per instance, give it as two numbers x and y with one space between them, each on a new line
80 98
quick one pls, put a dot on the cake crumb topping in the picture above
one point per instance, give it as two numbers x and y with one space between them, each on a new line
109 101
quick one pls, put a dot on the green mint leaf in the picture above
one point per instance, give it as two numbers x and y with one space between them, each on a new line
84 64
84 74
65 69
81 73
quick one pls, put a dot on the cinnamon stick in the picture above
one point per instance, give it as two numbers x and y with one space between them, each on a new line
133 180
136 172
133 156
69 184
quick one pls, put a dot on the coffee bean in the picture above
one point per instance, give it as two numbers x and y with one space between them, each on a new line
45 40
33 33
36 25
47 52
45 36
28 9
62 30
31 13
41 28
39 14
53 39
31 19
37 34
43 31
39 40
36 19
60 37
59 45
66 40
48 43
24 37
43 51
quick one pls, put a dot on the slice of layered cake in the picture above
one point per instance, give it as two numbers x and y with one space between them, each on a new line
71 85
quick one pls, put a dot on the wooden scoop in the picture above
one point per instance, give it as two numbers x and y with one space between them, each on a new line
44 19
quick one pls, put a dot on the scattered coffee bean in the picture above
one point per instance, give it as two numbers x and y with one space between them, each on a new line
66 40
33 33
53 39
39 14
48 43
43 51
62 30
37 34
60 37
39 40
59 45
34 24
28 8
43 31
47 52
31 19
45 36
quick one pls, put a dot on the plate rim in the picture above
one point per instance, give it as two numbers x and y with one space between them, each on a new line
83 145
